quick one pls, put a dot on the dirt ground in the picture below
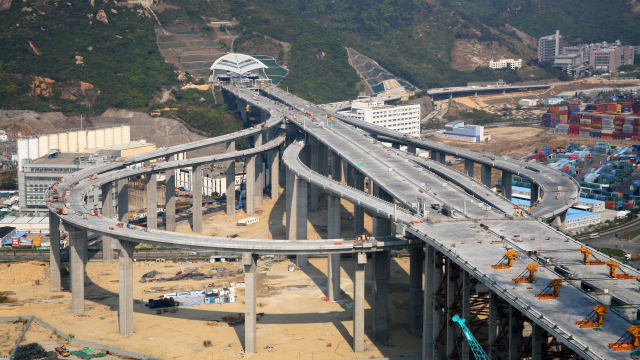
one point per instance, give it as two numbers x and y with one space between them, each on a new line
9 334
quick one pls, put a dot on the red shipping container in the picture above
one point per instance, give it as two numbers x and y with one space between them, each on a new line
573 156
596 166
634 138
565 168
578 171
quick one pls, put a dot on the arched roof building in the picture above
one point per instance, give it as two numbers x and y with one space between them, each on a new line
238 67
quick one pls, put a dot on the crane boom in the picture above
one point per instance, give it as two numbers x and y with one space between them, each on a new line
473 343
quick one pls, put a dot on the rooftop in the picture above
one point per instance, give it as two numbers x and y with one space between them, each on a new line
577 214
130 145
60 159
590 201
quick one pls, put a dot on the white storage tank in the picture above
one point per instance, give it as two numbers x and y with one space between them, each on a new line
53 142
23 151
100 138
126 134
117 135
108 137
33 148
82 140
63 142
91 139
43 145
73 141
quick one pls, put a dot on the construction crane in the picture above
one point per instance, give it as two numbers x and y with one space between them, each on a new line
586 253
599 311
612 271
531 268
510 256
629 340
556 284
473 343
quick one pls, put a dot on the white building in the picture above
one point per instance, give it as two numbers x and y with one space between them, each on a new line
402 118
577 218
553 101
592 205
528 102
503 63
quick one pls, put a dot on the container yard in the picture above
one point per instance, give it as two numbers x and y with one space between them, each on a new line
619 121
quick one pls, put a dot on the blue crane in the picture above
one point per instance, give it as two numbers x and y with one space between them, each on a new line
473 343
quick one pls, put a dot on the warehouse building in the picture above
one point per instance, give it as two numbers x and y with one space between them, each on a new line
591 205
35 224
403 118
458 128
528 102
578 218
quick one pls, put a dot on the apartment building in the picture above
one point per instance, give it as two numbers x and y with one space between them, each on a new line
402 118
549 47
506 63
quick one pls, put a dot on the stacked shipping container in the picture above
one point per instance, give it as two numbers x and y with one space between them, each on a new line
606 121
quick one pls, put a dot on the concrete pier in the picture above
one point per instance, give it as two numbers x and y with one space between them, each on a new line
411 149
301 217
493 324
336 166
77 256
290 194
123 200
514 336
275 173
231 180
359 261
466 310
469 167
451 297
107 211
333 230
312 153
382 226
485 176
242 107
250 307
536 342
250 168
170 197
437 278
197 198
428 315
259 163
152 201
125 297
55 262
357 180
535 193
416 304
323 159
381 269
507 178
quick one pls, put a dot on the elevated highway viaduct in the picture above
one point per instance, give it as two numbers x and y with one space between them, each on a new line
453 255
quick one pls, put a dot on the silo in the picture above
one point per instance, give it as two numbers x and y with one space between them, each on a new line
108 137
117 135
53 142
23 151
73 141
33 148
63 142
91 139
82 140
100 138
126 134
43 145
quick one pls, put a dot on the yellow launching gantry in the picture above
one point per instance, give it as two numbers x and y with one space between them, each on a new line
510 256
586 253
556 284
612 271
599 311
531 268
628 341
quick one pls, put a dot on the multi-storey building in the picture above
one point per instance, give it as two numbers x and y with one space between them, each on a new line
503 63
549 47
402 118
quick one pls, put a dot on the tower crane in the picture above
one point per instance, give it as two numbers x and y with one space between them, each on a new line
629 341
531 268
556 284
473 343
612 271
599 311
510 256
585 259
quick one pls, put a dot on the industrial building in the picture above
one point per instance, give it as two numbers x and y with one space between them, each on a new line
553 101
578 218
506 63
27 223
549 47
591 205
474 133
403 118
528 102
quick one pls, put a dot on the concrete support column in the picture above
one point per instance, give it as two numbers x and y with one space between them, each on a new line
231 180
442 158
77 254
507 178
469 167
536 342
54 252
336 167
125 297
416 304
514 332
380 287
291 205
312 153
395 145
197 198
123 200
560 221
428 315
451 295
493 323
242 106
301 217
323 159
250 266
411 149
437 278
170 197
259 160
333 229
359 261
275 174
264 116
466 310
107 211
358 212
535 193
152 201
250 178
485 176
381 226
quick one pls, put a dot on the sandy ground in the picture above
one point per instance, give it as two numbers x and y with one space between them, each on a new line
9 334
